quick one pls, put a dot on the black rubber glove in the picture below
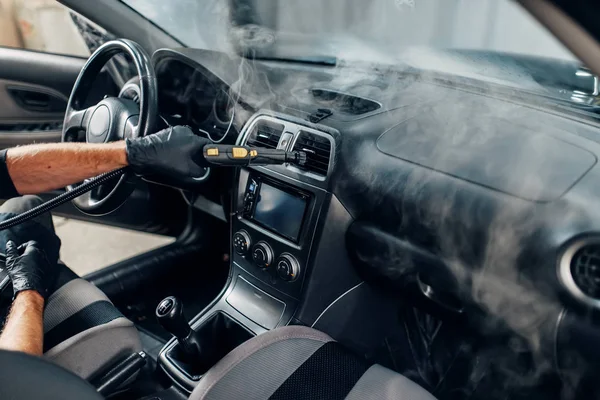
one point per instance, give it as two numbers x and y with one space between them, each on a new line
173 152
29 268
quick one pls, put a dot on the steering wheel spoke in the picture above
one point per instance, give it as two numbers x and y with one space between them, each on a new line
101 191
85 199
77 119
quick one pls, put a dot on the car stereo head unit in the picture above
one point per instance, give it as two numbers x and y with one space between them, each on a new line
275 207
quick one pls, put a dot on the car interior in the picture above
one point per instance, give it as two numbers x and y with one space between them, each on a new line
442 229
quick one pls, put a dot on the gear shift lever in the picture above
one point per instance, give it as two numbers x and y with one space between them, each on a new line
169 313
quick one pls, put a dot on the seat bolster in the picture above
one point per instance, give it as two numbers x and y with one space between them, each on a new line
380 383
67 300
311 340
297 362
84 332
93 349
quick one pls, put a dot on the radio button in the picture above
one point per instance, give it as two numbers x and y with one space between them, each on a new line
241 242
262 254
288 267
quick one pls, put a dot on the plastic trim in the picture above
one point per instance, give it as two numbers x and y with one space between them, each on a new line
335 301
559 321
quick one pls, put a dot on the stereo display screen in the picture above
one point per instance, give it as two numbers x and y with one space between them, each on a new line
280 211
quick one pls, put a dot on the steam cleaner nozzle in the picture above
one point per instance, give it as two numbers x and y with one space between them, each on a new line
231 155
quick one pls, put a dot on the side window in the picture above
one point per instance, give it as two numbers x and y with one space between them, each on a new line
48 26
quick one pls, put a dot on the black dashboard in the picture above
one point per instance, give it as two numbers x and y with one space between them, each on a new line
472 198
189 96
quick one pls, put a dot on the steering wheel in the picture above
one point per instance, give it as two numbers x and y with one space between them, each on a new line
111 119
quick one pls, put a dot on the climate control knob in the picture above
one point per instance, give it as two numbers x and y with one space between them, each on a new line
262 254
241 242
288 267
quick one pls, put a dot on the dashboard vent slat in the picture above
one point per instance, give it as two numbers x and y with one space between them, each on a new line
318 152
265 134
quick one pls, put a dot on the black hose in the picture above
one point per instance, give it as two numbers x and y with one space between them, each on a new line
63 198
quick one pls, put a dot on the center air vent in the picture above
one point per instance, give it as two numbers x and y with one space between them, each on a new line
585 269
265 134
317 149
579 270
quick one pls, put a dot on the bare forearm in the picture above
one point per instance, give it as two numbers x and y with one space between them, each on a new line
24 330
43 167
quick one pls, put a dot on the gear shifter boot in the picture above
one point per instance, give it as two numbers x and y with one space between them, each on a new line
216 336
169 313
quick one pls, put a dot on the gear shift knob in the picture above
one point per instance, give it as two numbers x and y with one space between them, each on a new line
169 313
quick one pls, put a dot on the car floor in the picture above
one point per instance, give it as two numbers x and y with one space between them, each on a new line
453 361
196 284
88 247
194 292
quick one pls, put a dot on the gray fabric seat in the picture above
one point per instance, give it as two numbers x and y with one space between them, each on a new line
83 331
298 362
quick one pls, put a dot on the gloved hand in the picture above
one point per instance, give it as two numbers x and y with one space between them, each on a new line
29 268
173 152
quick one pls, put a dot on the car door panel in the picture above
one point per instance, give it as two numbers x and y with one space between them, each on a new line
34 99
34 90
29 113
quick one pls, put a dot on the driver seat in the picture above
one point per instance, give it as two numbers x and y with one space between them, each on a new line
83 331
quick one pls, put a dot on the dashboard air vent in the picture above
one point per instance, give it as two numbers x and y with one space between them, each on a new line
585 269
265 134
317 149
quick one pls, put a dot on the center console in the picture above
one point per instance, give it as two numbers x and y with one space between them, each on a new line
279 209
274 223
273 229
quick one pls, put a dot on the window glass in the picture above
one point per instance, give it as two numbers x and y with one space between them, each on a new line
48 26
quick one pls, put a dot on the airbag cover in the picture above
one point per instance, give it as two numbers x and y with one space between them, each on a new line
491 151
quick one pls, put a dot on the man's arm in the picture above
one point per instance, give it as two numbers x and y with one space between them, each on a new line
38 168
43 167
24 329
31 274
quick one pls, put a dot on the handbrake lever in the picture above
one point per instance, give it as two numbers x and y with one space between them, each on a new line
231 155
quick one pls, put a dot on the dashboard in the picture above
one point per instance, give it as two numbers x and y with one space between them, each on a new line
433 190
191 97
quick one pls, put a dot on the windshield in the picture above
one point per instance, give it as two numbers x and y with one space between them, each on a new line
491 40
345 28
